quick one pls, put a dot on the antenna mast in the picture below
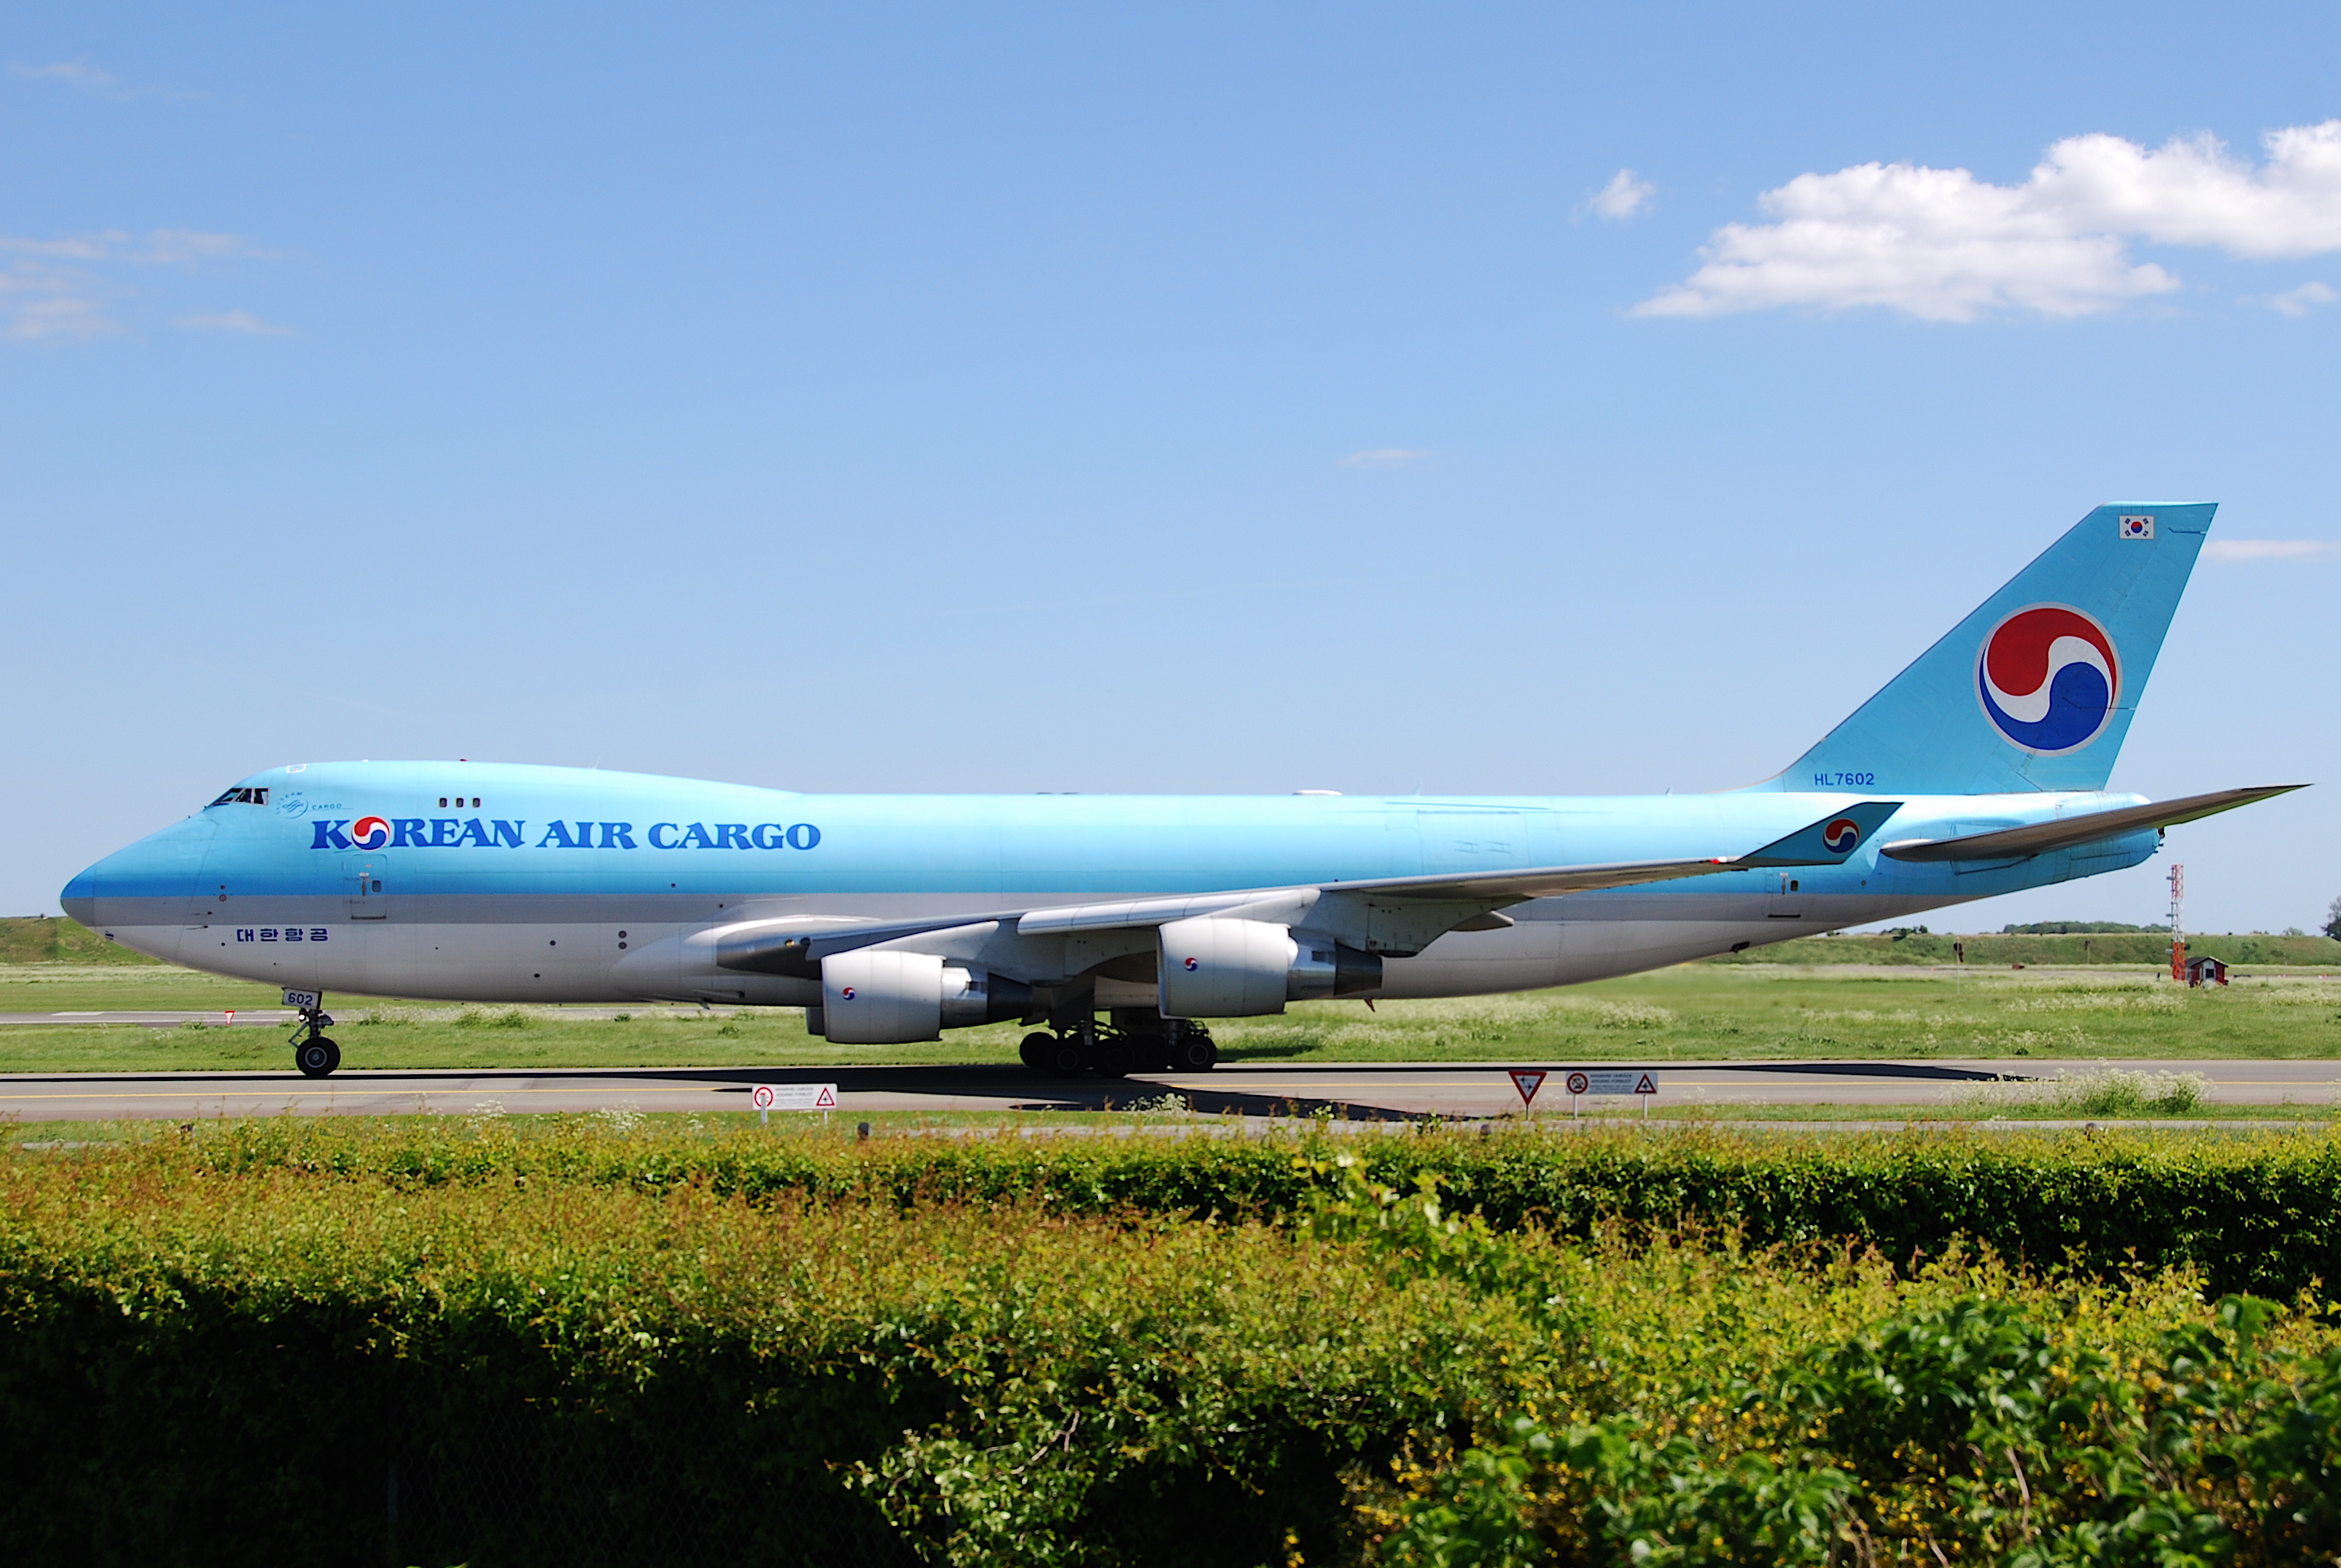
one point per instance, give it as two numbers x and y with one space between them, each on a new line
2177 932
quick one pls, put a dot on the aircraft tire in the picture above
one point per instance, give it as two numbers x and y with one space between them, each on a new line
1065 1055
317 1056
1113 1059
1194 1052
1034 1052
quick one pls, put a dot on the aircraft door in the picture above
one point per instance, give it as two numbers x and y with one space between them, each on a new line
365 879
1787 900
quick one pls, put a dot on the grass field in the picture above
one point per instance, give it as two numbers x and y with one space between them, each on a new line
1696 1012
1692 1013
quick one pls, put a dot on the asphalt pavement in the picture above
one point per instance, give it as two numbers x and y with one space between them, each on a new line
1361 1091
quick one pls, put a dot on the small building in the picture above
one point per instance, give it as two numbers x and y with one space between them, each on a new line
2204 970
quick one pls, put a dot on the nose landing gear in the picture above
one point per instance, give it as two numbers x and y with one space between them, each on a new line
312 1052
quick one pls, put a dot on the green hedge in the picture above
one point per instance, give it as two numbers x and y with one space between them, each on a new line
299 1366
334 1345
2255 1213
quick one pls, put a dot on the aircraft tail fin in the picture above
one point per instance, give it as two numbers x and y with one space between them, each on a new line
2035 689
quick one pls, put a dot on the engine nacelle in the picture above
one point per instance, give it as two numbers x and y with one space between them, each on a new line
886 997
1216 967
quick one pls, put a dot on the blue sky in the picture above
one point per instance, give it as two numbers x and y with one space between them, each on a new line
1147 398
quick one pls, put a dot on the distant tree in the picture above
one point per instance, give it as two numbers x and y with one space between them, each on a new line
2333 924
2076 928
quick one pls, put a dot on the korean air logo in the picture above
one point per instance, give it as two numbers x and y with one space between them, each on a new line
1193 965
1841 834
845 993
2048 677
369 833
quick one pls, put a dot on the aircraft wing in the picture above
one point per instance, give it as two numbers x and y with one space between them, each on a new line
1398 913
2036 838
797 945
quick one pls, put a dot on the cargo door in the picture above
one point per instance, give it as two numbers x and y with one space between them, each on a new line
1787 900
366 881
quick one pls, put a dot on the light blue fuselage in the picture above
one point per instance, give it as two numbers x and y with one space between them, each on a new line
572 886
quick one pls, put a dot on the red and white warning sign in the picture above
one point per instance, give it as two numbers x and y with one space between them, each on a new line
1646 1085
1527 1080
1578 1084
793 1096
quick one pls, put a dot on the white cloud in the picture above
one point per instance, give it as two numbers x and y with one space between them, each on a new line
87 247
56 288
2298 301
76 74
234 321
61 316
192 245
41 297
2272 550
1385 457
1942 244
1623 196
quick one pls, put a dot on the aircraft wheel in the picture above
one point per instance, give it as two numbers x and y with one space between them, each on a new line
1065 1055
1194 1052
1035 1050
1113 1059
317 1056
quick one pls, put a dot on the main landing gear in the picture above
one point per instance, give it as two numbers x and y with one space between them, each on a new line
1135 1041
312 1052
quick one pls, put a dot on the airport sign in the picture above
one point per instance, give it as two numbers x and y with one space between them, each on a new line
793 1096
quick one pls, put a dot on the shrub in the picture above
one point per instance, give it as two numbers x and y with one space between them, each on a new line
597 1344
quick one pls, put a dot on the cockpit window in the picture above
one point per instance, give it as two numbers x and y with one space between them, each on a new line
242 797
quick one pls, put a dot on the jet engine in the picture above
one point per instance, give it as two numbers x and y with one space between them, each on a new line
883 997
1215 967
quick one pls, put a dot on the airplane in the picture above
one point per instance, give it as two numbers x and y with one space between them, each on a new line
1122 926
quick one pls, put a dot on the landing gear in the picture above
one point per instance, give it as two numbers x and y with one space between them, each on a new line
1194 1051
312 1052
1135 1041
1046 1053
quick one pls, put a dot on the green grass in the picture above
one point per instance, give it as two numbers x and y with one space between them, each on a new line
2254 948
40 939
1698 1012
1692 1013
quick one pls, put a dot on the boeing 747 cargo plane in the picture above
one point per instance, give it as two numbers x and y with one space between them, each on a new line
1123 923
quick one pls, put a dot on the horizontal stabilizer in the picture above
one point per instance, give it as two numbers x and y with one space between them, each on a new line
1826 841
2010 843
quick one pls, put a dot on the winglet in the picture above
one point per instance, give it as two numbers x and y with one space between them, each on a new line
1827 842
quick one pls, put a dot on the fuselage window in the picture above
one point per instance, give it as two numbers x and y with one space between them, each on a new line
242 797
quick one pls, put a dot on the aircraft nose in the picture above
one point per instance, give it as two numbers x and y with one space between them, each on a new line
80 897
143 884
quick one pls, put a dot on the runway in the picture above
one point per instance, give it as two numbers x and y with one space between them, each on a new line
1360 1091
